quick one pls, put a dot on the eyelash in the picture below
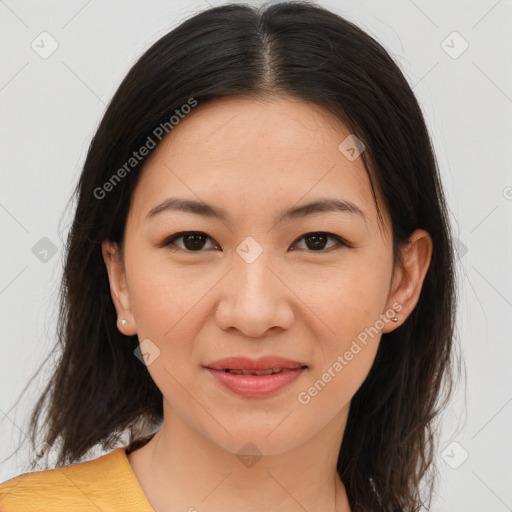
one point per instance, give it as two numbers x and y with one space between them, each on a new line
169 241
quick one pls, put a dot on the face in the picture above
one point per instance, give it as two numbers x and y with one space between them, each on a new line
253 282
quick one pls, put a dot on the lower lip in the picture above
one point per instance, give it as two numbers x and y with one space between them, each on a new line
256 386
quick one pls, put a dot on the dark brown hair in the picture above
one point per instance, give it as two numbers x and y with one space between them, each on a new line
100 390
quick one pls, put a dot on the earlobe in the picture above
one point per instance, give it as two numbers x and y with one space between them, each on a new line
409 277
118 287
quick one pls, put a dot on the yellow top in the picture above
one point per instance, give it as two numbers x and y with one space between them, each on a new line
105 484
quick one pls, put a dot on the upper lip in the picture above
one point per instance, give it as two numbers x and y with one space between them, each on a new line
244 363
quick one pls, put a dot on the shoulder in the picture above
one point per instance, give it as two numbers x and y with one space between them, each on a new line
104 483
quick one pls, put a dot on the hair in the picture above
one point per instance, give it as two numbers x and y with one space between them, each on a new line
99 390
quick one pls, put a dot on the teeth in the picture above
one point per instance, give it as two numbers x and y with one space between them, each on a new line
270 371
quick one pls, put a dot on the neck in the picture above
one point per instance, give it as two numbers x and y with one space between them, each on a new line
182 469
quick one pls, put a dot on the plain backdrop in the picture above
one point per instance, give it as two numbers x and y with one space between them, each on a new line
61 62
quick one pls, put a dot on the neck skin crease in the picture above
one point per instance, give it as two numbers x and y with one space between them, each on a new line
180 469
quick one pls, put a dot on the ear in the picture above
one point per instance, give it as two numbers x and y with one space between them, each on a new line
118 287
408 277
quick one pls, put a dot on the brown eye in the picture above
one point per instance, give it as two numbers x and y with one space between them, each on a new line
196 241
193 241
317 241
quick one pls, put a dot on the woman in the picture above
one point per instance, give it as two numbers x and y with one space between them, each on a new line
259 284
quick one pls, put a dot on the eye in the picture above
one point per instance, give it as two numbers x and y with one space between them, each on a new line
194 241
316 241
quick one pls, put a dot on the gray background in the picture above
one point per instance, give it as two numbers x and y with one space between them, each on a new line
51 106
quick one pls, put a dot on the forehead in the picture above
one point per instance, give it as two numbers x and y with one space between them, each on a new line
261 153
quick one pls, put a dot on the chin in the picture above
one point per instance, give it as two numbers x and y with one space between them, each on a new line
260 440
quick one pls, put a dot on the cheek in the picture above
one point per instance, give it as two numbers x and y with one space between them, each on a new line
166 296
166 305
347 298
166 311
349 306
347 345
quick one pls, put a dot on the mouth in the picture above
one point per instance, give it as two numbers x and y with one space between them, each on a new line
267 365
255 378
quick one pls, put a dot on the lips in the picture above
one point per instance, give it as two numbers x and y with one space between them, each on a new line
252 378
267 365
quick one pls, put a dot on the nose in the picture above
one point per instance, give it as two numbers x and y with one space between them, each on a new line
254 299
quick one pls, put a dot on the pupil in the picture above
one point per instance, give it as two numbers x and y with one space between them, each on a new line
194 238
316 238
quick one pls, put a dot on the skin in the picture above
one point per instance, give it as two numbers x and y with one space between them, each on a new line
255 158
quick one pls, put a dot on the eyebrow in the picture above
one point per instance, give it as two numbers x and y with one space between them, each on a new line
206 210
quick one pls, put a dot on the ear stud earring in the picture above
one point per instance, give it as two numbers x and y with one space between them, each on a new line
122 321
394 319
